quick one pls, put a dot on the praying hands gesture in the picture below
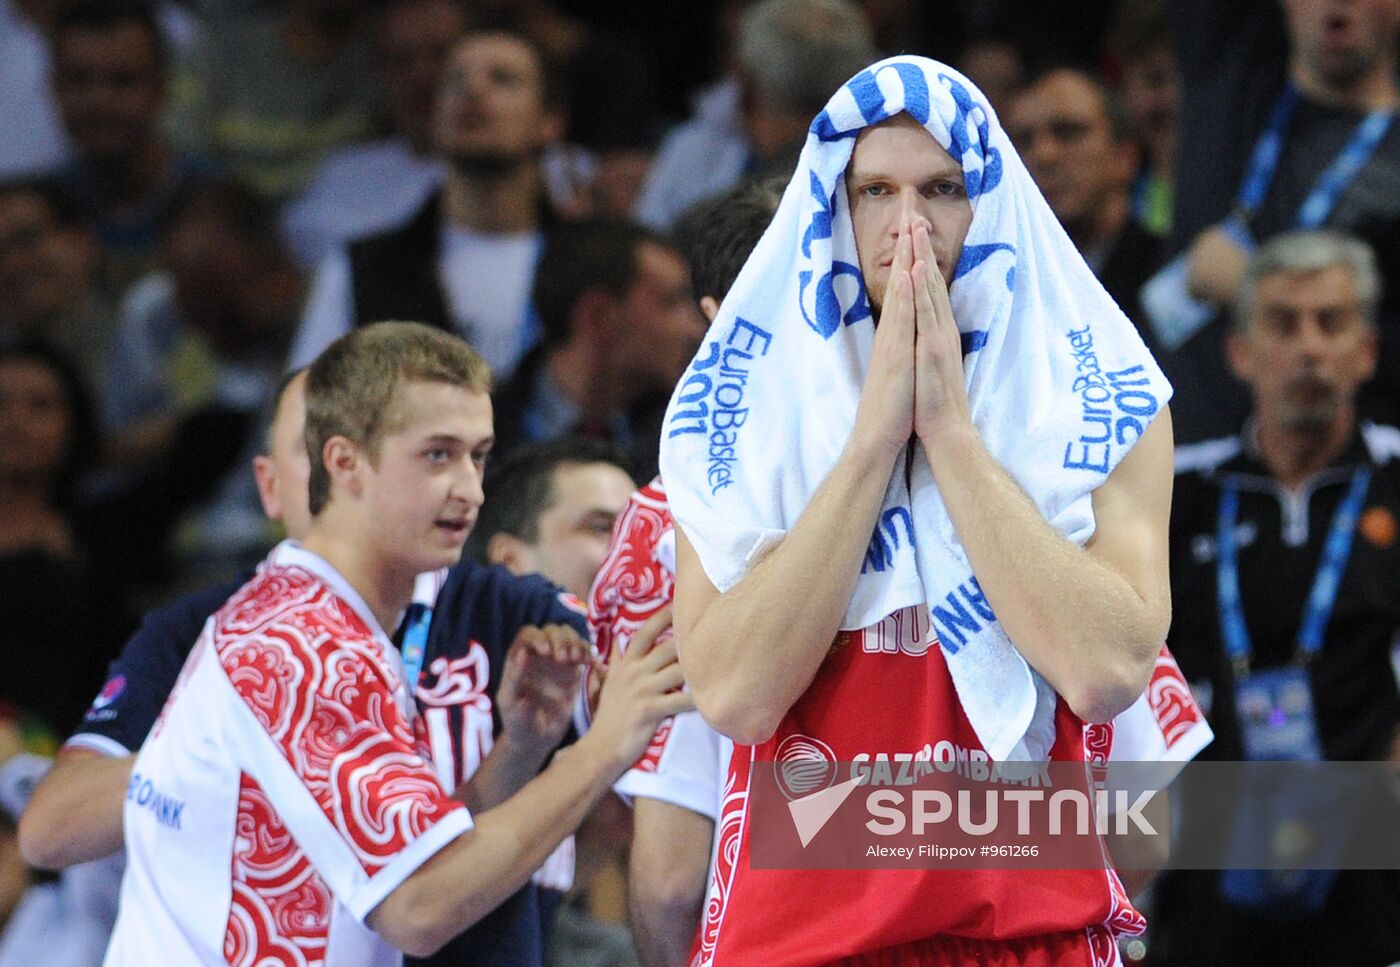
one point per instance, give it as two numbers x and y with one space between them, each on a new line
940 391
914 384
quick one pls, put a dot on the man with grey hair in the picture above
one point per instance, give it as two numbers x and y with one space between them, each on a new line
790 56
1286 582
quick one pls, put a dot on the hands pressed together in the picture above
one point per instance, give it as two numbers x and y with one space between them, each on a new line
914 385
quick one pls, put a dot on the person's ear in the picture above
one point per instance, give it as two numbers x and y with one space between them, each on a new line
510 552
1237 353
269 494
345 464
709 305
594 314
552 129
1127 157
1370 353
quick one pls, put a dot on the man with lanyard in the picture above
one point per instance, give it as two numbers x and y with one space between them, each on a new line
1286 588
1284 130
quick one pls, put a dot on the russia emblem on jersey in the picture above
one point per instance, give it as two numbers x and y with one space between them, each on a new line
110 692
572 602
803 765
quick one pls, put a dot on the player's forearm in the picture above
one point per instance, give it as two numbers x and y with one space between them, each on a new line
1139 857
504 772
476 873
75 814
1075 619
666 880
752 651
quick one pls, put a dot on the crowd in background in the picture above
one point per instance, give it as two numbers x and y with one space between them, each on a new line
196 196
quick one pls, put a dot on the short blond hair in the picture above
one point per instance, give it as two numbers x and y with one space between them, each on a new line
351 388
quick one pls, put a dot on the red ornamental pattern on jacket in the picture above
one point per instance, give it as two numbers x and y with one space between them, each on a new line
1171 700
281 908
317 679
632 584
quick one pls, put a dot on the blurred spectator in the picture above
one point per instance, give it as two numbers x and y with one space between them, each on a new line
1150 85
207 337
549 510
612 108
48 275
34 138
464 261
1073 136
61 920
110 79
996 66
609 75
60 622
554 510
374 186
270 93
619 330
791 54
1300 502
1313 88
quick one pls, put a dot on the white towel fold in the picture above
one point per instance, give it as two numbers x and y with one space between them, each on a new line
1060 384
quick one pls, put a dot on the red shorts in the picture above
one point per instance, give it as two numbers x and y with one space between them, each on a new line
1091 947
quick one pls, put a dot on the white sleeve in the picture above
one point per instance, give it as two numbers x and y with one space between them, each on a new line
681 766
1165 726
330 309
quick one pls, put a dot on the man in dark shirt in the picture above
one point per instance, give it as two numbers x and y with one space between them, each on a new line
1260 511
1238 61
619 329
498 109
1073 136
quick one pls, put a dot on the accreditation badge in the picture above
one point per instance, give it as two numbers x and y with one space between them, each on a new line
1274 826
1275 710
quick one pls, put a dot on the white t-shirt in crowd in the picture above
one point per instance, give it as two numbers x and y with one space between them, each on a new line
486 279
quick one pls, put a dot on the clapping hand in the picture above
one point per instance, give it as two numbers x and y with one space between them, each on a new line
539 685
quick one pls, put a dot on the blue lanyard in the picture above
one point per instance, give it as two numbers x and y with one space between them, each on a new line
1321 599
1263 163
415 643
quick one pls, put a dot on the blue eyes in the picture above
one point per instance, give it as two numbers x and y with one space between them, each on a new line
944 189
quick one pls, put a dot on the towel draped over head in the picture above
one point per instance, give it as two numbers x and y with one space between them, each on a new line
1060 386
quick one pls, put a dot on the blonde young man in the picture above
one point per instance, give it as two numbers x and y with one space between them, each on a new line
284 804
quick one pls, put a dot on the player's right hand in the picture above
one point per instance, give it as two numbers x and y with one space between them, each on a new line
642 687
885 417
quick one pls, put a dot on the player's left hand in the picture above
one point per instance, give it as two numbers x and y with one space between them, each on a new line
940 391
539 685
